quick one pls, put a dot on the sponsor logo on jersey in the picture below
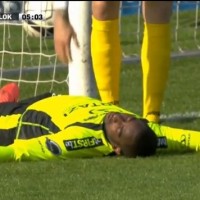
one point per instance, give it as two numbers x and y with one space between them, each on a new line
162 142
83 143
53 147
87 105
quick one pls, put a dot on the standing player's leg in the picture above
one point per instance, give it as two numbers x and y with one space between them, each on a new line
155 55
105 49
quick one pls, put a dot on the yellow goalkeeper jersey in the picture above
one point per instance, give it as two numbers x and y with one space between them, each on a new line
61 127
176 140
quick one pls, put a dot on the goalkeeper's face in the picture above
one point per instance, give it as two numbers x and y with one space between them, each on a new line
120 128
126 132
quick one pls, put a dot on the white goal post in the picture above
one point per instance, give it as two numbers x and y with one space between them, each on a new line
81 79
32 63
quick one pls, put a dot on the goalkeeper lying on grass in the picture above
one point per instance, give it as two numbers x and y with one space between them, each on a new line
59 127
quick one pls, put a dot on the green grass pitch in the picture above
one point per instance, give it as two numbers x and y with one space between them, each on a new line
162 177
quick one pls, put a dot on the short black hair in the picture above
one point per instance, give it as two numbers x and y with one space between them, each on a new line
144 142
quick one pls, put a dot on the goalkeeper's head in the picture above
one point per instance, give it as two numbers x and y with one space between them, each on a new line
130 136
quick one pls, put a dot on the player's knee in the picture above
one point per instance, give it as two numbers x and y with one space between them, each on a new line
157 11
105 10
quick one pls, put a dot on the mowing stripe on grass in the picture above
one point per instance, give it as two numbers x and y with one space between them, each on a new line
178 117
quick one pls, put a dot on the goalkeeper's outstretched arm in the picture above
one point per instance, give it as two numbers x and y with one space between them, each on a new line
174 139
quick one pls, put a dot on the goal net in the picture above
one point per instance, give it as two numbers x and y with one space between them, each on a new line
185 29
27 56
30 60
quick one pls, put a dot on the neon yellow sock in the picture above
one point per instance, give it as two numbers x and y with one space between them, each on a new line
106 56
155 65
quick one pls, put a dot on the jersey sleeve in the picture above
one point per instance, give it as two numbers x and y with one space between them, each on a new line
174 139
7 153
73 142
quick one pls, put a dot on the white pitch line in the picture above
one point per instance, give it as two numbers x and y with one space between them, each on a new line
180 116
